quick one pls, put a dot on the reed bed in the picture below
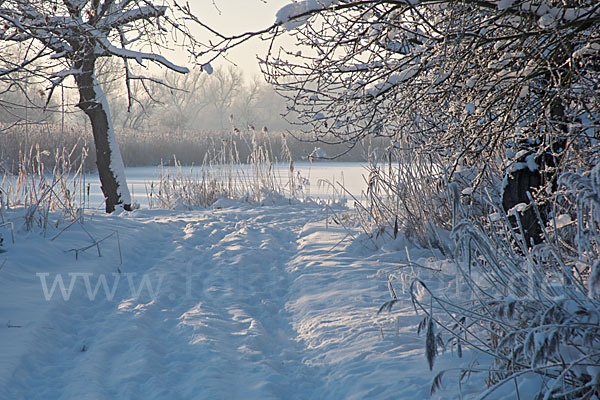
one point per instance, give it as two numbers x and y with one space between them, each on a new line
225 174
155 148
43 189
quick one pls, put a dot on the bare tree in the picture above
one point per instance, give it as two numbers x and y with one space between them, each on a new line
246 102
145 101
180 99
220 91
198 99
257 105
63 38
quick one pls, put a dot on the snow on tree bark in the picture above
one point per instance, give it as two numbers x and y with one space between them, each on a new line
108 156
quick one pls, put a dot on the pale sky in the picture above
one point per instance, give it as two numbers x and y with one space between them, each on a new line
237 16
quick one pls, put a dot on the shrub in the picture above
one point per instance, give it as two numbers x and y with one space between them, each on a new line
534 309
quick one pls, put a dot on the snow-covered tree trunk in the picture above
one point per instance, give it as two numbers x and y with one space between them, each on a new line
111 169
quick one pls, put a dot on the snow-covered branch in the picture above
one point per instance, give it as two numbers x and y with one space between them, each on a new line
136 55
121 18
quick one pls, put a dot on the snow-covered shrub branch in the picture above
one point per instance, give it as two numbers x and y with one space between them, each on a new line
535 310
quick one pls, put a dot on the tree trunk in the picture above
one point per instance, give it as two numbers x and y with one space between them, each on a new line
525 178
108 157
533 171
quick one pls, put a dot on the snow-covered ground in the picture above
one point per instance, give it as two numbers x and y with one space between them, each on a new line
232 302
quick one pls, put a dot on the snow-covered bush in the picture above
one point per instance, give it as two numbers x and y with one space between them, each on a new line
534 310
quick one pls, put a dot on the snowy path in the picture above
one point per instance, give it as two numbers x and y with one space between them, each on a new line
251 303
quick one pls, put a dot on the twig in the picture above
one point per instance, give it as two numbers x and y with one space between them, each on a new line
9 325
97 244
64 229
12 235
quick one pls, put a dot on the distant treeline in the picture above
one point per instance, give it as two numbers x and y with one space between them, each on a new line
40 143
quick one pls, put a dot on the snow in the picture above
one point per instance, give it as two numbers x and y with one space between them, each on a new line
531 163
136 55
115 19
403 76
393 80
549 15
563 220
518 209
505 4
207 68
233 302
295 15
524 92
116 161
547 21
588 50
594 281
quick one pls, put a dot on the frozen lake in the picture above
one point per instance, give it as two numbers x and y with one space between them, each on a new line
350 174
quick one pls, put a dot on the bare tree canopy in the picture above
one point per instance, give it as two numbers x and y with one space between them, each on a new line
462 78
